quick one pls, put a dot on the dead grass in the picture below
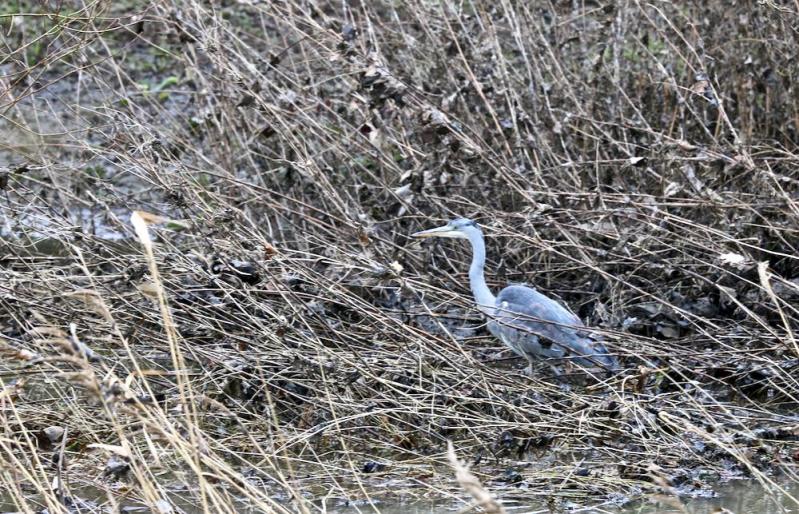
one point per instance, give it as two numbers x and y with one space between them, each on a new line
284 346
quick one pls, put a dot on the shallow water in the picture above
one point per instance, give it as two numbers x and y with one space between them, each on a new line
738 497
39 224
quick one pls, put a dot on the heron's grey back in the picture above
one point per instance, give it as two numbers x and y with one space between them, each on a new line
534 325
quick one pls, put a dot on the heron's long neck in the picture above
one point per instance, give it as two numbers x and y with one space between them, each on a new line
477 281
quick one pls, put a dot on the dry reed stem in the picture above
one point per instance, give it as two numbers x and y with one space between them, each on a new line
471 484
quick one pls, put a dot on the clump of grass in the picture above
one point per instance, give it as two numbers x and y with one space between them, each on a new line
270 339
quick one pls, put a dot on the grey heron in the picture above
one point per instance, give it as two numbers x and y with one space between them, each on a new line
531 324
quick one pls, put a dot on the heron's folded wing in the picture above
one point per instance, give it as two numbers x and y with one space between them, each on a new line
537 319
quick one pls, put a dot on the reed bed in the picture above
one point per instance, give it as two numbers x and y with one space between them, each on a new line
209 301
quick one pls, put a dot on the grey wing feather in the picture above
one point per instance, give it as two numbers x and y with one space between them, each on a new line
534 325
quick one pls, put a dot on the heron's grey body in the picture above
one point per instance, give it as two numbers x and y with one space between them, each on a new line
531 324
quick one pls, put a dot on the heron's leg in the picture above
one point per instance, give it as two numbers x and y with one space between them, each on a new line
557 371
529 369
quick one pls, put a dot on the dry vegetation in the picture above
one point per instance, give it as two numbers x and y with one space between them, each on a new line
284 346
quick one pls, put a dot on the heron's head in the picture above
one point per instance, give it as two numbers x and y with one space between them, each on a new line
458 228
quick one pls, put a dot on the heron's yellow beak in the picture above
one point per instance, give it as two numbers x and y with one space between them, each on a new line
445 231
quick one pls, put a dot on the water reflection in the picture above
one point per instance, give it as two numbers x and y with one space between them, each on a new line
738 496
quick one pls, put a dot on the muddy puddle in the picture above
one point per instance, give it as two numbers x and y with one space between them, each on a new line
38 225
